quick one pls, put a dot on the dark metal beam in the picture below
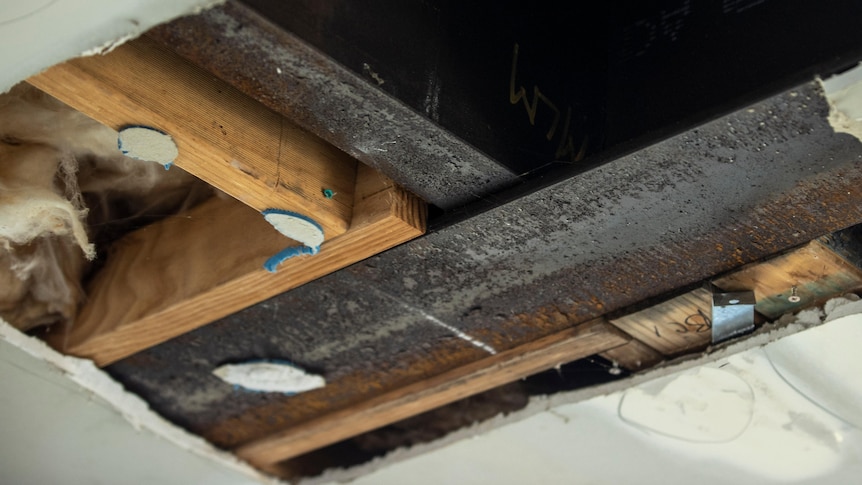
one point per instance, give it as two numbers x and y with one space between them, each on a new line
292 78
436 93
740 188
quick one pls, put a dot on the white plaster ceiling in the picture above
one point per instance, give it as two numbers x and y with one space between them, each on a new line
37 34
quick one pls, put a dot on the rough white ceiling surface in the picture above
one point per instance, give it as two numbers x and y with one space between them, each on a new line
63 420
37 34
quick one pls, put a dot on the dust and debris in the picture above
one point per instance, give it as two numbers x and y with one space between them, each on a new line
431 103
844 92
376 77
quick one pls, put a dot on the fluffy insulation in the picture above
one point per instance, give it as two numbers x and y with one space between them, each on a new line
65 191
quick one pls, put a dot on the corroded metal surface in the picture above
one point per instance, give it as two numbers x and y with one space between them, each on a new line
284 73
730 192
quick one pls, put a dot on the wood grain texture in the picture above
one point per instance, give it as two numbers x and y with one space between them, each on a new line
507 366
186 271
224 137
634 356
672 327
814 269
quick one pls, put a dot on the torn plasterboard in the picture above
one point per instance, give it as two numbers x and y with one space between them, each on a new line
94 428
36 35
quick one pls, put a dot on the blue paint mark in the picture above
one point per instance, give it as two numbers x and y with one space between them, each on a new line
126 127
272 263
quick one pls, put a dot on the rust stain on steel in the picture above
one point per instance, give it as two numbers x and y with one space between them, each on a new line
326 99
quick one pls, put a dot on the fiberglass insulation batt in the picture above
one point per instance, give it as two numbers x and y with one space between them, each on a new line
64 185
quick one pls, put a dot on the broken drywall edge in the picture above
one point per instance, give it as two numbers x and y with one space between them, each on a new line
131 407
841 307
844 94
295 226
785 326
137 29
110 45
72 28
135 32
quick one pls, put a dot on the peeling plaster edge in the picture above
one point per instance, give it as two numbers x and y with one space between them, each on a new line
787 325
844 94
134 33
132 408
101 36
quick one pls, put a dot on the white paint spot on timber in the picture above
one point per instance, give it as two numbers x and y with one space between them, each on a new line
269 377
110 45
295 227
149 144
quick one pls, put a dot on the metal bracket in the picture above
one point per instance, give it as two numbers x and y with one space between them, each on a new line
732 314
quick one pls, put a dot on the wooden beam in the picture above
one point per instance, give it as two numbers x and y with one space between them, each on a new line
634 356
675 326
188 270
575 343
814 269
224 137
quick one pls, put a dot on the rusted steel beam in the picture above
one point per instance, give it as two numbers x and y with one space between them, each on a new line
327 99
733 191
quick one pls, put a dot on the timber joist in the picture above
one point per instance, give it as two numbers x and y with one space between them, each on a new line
184 272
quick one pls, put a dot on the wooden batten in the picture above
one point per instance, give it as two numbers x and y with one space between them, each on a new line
817 273
575 343
676 326
633 356
186 271
224 137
